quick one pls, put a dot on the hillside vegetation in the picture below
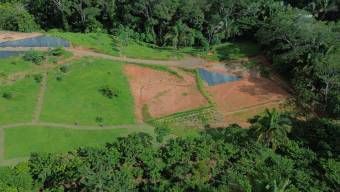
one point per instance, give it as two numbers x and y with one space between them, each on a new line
280 151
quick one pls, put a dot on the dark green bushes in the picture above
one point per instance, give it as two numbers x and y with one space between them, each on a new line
35 57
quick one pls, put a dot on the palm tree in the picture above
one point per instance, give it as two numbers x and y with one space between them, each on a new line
272 128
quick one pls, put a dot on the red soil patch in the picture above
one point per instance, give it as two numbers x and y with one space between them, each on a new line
248 93
12 36
163 93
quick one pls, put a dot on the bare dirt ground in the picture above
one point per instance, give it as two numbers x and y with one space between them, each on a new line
12 36
162 92
239 100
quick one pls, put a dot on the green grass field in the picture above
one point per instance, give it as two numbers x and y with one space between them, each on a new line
76 96
12 65
20 107
99 42
146 51
225 51
22 141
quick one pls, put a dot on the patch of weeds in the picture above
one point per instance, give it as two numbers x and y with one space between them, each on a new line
185 94
100 120
108 92
7 95
64 68
38 78
146 114
35 57
59 51
53 60
59 77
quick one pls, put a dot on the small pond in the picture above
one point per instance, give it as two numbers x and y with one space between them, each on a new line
40 41
5 54
214 78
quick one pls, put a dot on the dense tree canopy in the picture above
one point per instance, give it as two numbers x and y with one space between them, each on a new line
232 159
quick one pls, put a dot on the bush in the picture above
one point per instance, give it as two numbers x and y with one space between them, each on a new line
108 92
7 95
60 51
14 17
38 78
64 68
35 57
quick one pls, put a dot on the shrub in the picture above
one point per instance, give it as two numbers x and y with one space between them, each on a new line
59 77
35 57
38 78
108 92
7 95
60 51
64 68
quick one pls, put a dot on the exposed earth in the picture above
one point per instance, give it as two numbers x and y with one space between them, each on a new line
163 89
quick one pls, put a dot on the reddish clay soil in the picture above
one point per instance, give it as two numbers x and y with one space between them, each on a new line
250 93
162 92
11 36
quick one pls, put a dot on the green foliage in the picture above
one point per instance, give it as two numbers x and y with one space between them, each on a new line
161 132
35 57
271 129
108 92
16 179
38 78
7 95
14 17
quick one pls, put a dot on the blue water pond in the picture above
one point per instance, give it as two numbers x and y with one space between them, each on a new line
5 54
213 78
40 41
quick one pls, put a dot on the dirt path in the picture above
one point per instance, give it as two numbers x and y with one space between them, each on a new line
77 127
188 61
12 78
40 99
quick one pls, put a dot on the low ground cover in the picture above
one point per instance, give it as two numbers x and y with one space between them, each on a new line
22 141
89 92
225 51
99 42
147 51
17 101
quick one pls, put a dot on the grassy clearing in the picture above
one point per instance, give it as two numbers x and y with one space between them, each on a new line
148 51
99 42
20 107
12 65
16 64
78 96
21 142
225 51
